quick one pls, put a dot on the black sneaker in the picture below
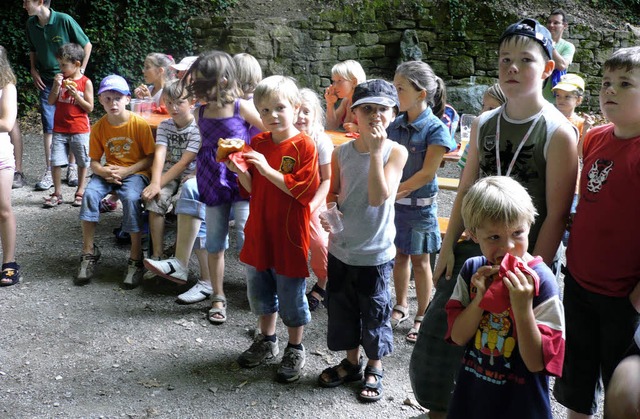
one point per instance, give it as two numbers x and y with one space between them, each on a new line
10 274
18 180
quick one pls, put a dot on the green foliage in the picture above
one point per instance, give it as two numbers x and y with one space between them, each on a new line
122 33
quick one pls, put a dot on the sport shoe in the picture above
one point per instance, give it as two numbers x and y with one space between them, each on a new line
149 274
10 274
18 180
259 351
199 292
88 263
170 269
134 274
72 175
291 365
46 182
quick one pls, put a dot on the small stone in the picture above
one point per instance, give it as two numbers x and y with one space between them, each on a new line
214 390
56 404
199 340
58 377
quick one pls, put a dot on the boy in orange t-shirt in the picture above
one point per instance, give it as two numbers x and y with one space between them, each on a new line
126 142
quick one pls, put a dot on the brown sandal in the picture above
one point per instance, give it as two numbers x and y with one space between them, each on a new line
77 200
52 201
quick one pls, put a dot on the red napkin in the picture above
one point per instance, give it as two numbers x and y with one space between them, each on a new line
160 109
352 134
496 298
238 158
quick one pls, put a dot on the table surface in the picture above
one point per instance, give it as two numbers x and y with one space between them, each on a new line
154 119
339 137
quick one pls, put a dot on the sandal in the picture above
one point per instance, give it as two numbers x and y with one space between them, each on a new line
52 201
77 200
353 373
376 386
312 300
412 336
10 274
405 315
213 311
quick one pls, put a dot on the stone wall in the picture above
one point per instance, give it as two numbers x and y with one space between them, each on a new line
307 48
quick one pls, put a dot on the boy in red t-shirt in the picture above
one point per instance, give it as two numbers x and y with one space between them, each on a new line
602 280
72 93
282 178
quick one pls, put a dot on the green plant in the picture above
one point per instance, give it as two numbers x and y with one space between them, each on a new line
122 33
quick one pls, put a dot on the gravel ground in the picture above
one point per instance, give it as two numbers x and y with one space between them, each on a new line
100 351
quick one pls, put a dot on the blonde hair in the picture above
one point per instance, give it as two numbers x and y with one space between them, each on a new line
497 199
277 86
350 70
6 72
495 91
309 98
248 71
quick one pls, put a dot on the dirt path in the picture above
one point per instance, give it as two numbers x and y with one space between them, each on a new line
99 351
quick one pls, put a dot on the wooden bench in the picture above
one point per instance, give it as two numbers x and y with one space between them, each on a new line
443 224
448 184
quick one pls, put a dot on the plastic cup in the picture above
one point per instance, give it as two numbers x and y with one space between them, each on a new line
333 217
465 127
146 107
135 105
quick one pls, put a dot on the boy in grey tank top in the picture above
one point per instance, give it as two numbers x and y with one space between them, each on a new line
365 176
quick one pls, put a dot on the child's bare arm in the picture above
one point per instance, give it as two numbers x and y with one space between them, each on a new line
261 164
521 290
177 169
562 171
243 177
321 194
8 107
122 172
250 114
157 166
55 89
86 100
383 178
98 169
466 324
426 174
334 184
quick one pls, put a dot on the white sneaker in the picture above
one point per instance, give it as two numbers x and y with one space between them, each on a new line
170 269
150 274
46 182
199 292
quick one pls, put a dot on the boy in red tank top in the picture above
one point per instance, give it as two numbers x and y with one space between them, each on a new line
72 93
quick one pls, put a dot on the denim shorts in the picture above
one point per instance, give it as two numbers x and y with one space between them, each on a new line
218 225
78 144
46 111
189 203
417 230
270 293
162 202
129 194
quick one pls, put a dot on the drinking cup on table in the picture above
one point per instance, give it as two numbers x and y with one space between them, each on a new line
146 107
465 127
135 105
333 217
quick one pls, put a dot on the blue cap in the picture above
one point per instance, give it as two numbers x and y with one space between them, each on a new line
531 29
116 83
379 92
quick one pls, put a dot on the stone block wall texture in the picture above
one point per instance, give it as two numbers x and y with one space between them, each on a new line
307 48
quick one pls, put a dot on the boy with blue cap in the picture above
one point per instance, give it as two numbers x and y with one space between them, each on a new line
126 142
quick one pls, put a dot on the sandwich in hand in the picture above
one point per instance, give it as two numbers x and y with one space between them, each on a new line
228 146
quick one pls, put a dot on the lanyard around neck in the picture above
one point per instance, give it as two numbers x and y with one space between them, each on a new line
522 142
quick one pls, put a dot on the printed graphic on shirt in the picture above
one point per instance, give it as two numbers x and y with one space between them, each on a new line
598 174
524 170
287 164
119 147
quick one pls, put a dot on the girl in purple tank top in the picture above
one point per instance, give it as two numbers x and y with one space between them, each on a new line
225 115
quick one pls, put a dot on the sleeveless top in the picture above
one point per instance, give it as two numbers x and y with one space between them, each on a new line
367 238
530 164
69 117
216 183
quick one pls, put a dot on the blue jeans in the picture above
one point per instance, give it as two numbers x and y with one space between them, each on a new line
189 204
129 194
218 225
269 292
46 111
